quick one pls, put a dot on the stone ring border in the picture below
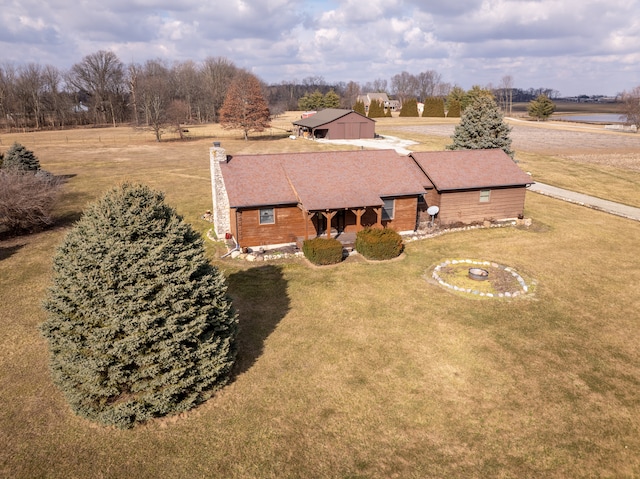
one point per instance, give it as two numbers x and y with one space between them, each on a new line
524 288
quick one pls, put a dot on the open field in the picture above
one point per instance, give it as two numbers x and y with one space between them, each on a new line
579 157
360 369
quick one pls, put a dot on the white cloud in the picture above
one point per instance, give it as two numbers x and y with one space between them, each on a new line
573 46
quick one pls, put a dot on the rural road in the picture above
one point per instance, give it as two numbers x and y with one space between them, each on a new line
586 200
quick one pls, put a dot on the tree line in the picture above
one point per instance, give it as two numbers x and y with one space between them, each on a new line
102 90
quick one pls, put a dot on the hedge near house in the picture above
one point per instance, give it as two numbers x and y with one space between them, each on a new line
378 244
322 251
139 323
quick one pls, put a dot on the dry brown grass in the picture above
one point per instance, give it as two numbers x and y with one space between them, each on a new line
360 370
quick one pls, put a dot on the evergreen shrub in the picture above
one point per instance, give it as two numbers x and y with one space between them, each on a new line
379 244
139 323
322 251
19 158
433 107
409 108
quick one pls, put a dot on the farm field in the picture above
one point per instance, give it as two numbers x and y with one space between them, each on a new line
361 370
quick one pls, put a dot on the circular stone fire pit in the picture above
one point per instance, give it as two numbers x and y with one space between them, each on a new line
478 274
482 279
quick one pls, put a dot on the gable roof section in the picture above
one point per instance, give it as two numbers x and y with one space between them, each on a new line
326 116
321 180
470 169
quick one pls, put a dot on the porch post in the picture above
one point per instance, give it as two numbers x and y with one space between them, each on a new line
307 217
359 212
329 216
378 210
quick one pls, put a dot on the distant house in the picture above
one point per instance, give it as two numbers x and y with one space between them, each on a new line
336 124
284 198
394 105
473 185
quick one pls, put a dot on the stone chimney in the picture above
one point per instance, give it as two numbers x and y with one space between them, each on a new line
221 214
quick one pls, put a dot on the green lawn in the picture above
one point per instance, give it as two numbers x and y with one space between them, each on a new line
356 370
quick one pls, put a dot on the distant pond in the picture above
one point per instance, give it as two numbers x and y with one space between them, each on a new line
594 118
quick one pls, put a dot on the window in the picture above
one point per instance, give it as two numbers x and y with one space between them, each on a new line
484 196
267 216
387 209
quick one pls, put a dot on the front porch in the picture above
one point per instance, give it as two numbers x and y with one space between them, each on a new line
343 224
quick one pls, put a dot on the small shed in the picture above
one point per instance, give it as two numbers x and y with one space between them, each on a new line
474 185
336 124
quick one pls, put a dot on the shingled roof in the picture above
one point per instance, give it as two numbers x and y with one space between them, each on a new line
326 116
321 180
470 169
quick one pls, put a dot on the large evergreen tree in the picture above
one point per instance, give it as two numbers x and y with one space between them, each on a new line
541 108
244 106
18 157
376 109
359 107
409 108
482 126
139 324
433 107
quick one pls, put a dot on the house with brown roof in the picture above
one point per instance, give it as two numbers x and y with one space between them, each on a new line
284 198
473 185
336 124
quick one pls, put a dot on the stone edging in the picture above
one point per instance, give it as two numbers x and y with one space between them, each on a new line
509 294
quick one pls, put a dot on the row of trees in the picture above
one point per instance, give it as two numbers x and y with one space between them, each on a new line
103 90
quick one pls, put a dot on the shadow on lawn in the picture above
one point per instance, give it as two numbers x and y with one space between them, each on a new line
8 251
260 297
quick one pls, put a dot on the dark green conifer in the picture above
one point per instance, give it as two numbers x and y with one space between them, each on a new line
433 107
409 108
482 127
376 109
541 108
18 157
139 324
359 107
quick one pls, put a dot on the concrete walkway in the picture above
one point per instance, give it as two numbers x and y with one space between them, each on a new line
588 201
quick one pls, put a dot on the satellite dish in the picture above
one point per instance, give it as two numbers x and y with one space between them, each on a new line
433 211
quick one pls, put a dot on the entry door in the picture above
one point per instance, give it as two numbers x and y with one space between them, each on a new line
340 220
322 224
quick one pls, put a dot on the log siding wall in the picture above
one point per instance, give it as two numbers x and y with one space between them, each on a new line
465 206
291 223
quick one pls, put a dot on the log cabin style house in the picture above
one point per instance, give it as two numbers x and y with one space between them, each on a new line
284 198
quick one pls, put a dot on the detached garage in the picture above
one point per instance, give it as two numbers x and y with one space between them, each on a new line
336 124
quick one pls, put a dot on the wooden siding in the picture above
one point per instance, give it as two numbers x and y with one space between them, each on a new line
289 224
405 215
465 206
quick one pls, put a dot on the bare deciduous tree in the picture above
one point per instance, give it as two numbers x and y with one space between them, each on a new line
631 108
101 75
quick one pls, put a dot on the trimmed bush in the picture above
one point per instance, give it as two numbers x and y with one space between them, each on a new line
139 323
379 244
322 251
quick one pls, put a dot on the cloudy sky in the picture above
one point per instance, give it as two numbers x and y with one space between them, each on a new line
573 46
